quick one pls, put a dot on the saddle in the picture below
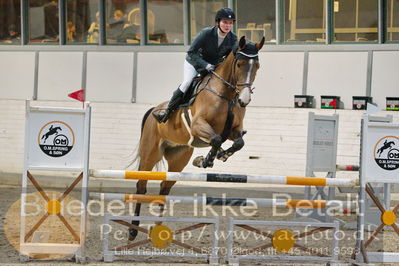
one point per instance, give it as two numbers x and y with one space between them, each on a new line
191 93
189 98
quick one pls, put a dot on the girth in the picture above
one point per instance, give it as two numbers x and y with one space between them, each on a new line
229 121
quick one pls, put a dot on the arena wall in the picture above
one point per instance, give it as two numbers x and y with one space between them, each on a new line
149 77
275 142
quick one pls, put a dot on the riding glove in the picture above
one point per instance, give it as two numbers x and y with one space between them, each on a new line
210 67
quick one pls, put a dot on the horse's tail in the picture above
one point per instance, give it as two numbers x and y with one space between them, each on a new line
136 156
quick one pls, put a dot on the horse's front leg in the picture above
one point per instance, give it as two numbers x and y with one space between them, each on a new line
216 143
201 129
166 186
238 143
141 189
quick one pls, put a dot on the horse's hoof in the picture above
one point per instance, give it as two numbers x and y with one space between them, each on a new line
133 232
223 157
198 161
221 153
207 163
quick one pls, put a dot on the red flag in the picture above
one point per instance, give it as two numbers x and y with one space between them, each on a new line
333 103
78 95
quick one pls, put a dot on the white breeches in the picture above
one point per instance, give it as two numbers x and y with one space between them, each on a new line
189 73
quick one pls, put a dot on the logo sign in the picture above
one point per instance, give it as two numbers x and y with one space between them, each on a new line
56 138
386 153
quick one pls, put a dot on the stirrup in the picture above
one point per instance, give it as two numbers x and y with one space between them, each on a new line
163 116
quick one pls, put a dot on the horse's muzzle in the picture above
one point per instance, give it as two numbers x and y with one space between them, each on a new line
242 104
245 97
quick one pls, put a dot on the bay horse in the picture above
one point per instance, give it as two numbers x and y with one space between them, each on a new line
213 117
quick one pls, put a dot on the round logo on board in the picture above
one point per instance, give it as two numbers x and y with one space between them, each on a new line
386 153
56 138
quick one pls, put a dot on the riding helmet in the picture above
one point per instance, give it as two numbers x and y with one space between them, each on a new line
225 13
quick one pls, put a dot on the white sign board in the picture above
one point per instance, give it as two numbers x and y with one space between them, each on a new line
380 152
55 138
322 143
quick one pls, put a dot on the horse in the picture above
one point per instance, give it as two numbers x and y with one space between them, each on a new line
50 132
213 118
386 145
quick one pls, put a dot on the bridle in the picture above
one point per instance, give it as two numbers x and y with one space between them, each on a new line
230 85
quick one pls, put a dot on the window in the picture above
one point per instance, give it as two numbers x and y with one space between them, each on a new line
123 21
166 16
256 19
393 20
301 21
43 21
10 22
203 14
305 20
82 21
355 20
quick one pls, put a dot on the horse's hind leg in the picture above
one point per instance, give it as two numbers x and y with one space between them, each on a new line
177 158
149 156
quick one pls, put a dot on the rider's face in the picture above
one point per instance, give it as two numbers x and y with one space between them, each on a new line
226 25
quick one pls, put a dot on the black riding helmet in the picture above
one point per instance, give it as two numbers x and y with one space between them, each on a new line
225 13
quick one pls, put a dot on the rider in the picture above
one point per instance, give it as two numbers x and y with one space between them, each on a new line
208 49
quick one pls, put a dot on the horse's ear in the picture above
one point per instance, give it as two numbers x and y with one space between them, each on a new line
242 42
260 45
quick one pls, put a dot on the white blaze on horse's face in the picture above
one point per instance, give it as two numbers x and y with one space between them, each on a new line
245 94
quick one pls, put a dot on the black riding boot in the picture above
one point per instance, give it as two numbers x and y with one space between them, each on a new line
174 102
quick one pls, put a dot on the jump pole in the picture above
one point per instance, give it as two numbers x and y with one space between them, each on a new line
229 178
350 167
222 201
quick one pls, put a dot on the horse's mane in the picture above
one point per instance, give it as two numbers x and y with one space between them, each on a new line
228 58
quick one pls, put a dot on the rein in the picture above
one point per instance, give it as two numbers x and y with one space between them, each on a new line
224 81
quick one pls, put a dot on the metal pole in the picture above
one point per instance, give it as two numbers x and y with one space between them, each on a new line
186 22
305 72
101 9
382 22
143 22
369 72
134 81
24 22
233 5
62 22
361 200
84 74
279 21
329 21
36 76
